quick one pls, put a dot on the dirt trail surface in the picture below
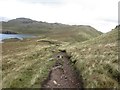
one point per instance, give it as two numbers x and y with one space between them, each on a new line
62 74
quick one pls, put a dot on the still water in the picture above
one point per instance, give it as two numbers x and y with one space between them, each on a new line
19 36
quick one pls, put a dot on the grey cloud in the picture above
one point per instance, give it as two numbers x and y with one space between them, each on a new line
43 1
4 18
109 20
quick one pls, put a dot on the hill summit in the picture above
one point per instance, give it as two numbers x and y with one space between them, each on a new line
53 30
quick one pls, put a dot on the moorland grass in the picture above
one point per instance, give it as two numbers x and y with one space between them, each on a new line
97 60
27 66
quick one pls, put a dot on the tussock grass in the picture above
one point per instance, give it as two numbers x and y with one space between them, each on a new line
97 60
26 63
26 66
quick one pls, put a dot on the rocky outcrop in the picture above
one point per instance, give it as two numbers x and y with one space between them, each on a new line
8 32
11 40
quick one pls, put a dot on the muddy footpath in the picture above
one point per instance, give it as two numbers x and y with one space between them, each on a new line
63 75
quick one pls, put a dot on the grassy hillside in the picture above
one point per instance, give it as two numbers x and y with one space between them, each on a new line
26 63
52 30
97 60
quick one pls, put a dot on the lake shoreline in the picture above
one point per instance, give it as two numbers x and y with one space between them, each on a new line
14 37
8 32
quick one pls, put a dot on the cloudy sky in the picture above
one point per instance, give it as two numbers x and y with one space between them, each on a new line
101 14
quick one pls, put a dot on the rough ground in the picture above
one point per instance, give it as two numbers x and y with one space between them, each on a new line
62 75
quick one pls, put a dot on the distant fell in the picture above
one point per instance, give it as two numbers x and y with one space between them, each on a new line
53 30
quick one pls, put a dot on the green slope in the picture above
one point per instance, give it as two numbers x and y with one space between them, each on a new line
97 60
26 63
52 30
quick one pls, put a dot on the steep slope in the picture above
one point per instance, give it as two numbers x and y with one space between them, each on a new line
97 60
52 30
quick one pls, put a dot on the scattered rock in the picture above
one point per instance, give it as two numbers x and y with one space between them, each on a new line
51 59
62 74
55 82
12 39
62 50
9 32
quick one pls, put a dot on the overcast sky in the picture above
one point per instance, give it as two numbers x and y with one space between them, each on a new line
101 14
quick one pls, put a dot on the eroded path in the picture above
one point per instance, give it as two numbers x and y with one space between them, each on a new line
62 74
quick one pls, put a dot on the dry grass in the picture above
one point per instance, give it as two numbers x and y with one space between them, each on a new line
97 60
25 64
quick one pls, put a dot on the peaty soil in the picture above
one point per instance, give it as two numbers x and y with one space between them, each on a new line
62 74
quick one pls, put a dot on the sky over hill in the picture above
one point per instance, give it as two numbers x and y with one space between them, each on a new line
101 14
